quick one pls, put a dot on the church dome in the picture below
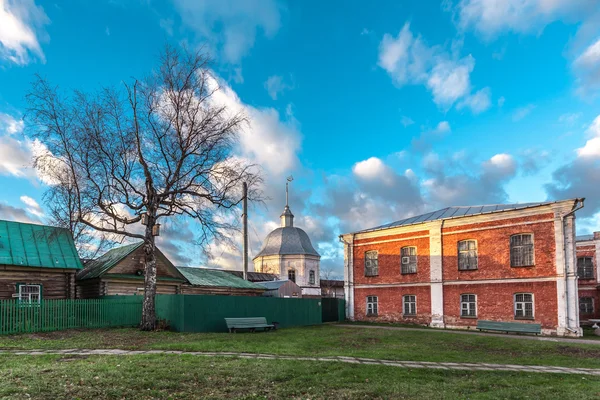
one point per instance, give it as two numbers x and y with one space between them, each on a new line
287 240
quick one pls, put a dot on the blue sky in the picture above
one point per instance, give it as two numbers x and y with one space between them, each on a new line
380 111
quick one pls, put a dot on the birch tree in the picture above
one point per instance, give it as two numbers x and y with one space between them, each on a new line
122 159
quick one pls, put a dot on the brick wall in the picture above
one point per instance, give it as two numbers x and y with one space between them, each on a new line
390 304
495 302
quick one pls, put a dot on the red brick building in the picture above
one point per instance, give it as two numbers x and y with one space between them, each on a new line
588 251
451 267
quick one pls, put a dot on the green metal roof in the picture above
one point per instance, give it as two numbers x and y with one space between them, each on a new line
97 267
31 245
215 278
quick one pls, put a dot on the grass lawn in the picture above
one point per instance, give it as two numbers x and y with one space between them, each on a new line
183 377
329 340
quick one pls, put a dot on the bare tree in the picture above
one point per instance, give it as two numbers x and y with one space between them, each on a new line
328 276
122 159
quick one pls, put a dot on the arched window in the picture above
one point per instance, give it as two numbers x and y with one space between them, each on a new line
467 255
408 260
311 277
292 275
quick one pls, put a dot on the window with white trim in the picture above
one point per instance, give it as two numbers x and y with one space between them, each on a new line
468 305
371 263
408 260
409 305
467 255
29 294
585 268
521 250
523 306
372 306
292 275
586 305
311 277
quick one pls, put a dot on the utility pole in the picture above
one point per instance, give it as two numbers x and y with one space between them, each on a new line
245 224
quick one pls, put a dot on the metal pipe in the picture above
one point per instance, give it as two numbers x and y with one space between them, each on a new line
245 223
578 206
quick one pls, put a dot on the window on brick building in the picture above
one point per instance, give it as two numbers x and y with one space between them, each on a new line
468 305
371 305
311 277
371 263
585 268
586 305
467 255
408 260
292 274
409 305
524 306
521 250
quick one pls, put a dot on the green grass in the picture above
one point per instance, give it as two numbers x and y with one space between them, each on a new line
329 340
185 377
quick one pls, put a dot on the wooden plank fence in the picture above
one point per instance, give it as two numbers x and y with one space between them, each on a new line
54 315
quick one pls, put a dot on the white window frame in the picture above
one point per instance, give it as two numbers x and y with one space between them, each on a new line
406 267
467 252
591 276
523 303
372 306
371 270
25 298
413 303
591 311
470 306
532 250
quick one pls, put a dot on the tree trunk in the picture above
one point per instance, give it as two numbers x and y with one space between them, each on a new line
149 308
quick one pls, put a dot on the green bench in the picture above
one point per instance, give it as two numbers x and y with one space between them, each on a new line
516 327
233 324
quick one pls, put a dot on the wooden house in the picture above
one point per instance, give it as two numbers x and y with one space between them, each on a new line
37 262
284 288
215 281
120 271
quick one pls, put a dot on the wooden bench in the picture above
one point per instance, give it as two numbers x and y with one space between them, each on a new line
253 323
516 327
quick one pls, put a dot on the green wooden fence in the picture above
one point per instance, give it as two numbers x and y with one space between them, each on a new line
55 315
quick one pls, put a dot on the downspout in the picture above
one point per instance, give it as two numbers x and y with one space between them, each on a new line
578 206
347 267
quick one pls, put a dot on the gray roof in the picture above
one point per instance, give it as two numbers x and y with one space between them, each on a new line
287 240
584 238
272 285
254 276
457 212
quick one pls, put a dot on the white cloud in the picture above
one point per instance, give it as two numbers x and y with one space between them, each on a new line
591 149
501 101
32 206
522 112
29 202
275 85
406 121
15 157
10 124
230 25
409 60
569 118
21 29
442 127
371 169
479 101
587 68
492 17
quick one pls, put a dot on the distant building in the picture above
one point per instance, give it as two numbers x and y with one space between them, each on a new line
288 253
120 271
451 267
253 276
214 281
37 262
332 288
588 253
284 289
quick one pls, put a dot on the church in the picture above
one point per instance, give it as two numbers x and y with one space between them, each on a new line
288 253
